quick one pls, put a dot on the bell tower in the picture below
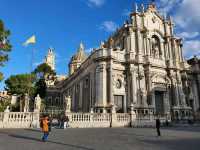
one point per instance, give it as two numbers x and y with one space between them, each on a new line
50 58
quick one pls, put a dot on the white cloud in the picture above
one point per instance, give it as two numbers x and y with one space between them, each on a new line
108 26
187 15
191 48
96 3
165 6
188 35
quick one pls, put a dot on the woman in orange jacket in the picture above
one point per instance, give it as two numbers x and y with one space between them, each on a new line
45 128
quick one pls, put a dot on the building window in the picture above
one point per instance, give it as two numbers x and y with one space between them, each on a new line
49 101
86 83
77 88
57 101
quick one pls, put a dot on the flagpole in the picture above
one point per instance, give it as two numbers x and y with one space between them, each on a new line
32 60
31 41
30 78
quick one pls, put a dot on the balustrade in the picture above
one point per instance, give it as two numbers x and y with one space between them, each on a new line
81 120
17 119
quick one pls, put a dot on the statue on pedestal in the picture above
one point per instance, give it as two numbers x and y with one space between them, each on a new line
91 110
102 45
67 104
7 109
142 97
37 103
26 103
113 109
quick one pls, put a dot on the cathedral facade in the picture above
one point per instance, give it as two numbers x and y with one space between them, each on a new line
140 64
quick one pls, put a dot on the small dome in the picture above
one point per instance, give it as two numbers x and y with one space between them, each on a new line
80 56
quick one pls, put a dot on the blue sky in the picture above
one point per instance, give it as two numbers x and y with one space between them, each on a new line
63 24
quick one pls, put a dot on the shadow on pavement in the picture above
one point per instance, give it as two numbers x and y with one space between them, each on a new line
54 142
34 130
187 129
179 144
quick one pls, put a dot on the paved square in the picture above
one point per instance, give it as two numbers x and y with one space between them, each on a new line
187 138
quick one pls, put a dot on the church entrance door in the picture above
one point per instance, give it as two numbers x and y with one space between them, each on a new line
159 102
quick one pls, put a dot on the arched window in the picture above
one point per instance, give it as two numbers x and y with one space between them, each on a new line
57 101
156 48
86 83
49 101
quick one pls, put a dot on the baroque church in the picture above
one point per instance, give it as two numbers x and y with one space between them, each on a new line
141 64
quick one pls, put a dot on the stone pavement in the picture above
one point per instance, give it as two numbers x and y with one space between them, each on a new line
187 138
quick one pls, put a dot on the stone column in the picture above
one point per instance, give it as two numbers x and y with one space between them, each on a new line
149 83
125 104
169 50
134 87
153 98
81 95
111 96
139 44
166 101
176 94
73 98
147 46
162 50
132 42
91 90
101 88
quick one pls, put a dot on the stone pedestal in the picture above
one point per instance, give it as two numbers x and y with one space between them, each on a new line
114 116
36 120
133 115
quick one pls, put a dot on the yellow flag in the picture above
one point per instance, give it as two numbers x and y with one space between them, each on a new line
31 40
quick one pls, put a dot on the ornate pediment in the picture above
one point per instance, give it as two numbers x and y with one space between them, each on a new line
160 78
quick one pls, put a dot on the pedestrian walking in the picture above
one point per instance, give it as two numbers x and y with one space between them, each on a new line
45 128
158 126
50 123
66 122
61 121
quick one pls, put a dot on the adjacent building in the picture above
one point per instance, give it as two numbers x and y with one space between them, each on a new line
194 85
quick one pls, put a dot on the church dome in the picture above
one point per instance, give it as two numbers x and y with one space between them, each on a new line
80 56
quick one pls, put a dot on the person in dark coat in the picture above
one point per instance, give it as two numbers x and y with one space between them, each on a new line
158 126
50 123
